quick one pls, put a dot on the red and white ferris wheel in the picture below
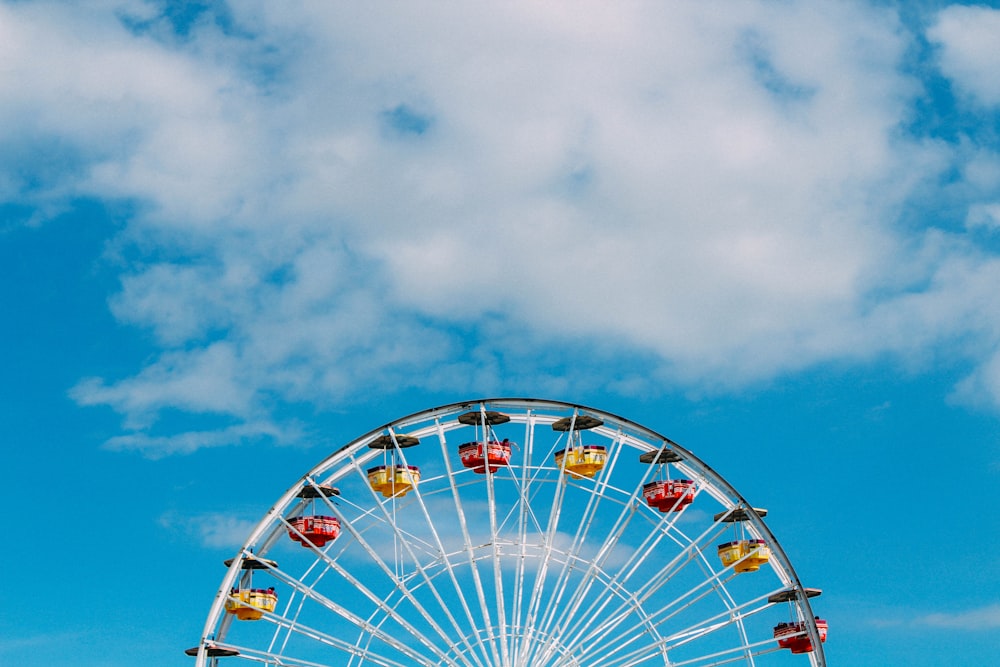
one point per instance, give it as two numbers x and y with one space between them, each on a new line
512 532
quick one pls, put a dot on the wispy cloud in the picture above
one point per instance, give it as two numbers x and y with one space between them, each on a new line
155 447
214 530
972 620
966 37
715 199
9 644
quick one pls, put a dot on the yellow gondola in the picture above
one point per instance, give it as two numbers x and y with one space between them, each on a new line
249 604
583 461
393 480
744 555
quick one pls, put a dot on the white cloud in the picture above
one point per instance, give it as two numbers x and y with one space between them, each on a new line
155 447
983 618
711 190
90 106
207 379
970 51
982 386
213 529
984 215
10 644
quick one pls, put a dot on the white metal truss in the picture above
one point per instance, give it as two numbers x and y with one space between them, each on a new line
537 563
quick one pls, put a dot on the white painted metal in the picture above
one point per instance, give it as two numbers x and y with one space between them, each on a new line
529 565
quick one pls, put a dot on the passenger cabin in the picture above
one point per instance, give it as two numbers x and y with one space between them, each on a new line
578 459
795 637
744 555
669 495
483 456
314 529
486 453
249 604
246 602
666 495
393 481
582 461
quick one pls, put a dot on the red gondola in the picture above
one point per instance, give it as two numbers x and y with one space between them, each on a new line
794 636
317 530
669 495
482 455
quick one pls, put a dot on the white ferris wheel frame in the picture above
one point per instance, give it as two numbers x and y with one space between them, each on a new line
534 629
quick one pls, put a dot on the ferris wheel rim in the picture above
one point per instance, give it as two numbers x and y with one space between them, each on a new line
793 588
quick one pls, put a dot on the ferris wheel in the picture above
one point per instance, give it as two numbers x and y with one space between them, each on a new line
511 532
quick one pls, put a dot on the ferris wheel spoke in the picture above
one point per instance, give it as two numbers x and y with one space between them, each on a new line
526 518
402 539
589 632
556 610
733 615
582 622
463 637
694 631
400 583
592 576
473 568
306 632
524 513
286 634
689 552
501 607
250 654
713 623
666 529
358 621
299 601
540 576
727 598
725 656
380 604
541 629
378 619
571 617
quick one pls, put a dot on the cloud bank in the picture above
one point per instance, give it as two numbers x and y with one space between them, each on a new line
479 198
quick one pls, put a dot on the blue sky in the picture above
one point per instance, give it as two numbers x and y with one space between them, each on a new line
234 237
